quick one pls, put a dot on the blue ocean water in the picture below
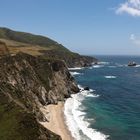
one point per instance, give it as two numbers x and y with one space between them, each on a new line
111 110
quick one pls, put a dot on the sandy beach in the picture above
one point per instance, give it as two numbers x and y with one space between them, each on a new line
56 123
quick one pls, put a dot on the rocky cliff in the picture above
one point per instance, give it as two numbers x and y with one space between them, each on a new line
71 59
27 83
33 74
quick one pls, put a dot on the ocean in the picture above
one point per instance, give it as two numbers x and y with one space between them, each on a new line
110 110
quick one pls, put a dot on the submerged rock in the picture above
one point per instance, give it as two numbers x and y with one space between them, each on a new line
131 64
86 88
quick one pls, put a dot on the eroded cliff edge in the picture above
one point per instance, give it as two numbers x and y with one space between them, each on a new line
28 83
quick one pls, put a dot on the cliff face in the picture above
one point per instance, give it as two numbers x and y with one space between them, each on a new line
71 59
33 74
28 83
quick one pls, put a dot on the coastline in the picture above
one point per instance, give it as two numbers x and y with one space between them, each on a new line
56 123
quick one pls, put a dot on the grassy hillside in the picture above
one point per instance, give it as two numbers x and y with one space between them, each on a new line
29 38
41 46
17 124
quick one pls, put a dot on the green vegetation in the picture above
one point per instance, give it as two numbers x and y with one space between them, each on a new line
39 45
19 110
28 38
15 123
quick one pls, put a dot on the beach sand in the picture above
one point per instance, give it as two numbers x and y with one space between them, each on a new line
56 123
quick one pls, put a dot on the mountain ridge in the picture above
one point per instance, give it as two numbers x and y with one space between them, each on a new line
48 47
29 38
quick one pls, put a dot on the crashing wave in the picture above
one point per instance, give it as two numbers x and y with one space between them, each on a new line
97 66
103 63
75 117
110 77
76 68
75 73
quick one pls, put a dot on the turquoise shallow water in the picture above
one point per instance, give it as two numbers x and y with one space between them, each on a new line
116 111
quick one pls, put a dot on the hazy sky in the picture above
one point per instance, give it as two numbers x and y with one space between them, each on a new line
84 26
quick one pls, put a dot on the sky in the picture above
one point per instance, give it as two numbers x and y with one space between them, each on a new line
109 27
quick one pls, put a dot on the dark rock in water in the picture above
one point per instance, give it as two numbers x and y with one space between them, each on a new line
86 88
87 65
95 63
132 64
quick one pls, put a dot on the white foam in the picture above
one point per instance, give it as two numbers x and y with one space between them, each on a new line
75 118
80 87
100 64
112 66
90 67
137 66
75 73
121 65
86 93
89 93
97 66
76 68
110 77
103 63
133 66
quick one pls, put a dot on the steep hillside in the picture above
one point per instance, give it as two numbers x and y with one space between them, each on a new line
27 84
40 45
29 38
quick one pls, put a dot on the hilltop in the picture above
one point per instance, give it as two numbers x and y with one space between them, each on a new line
38 45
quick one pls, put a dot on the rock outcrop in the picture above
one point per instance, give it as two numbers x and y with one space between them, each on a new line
28 83
71 59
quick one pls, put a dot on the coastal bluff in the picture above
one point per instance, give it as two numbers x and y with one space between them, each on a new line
28 83
33 75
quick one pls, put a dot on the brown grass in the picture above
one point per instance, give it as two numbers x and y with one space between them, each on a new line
15 47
